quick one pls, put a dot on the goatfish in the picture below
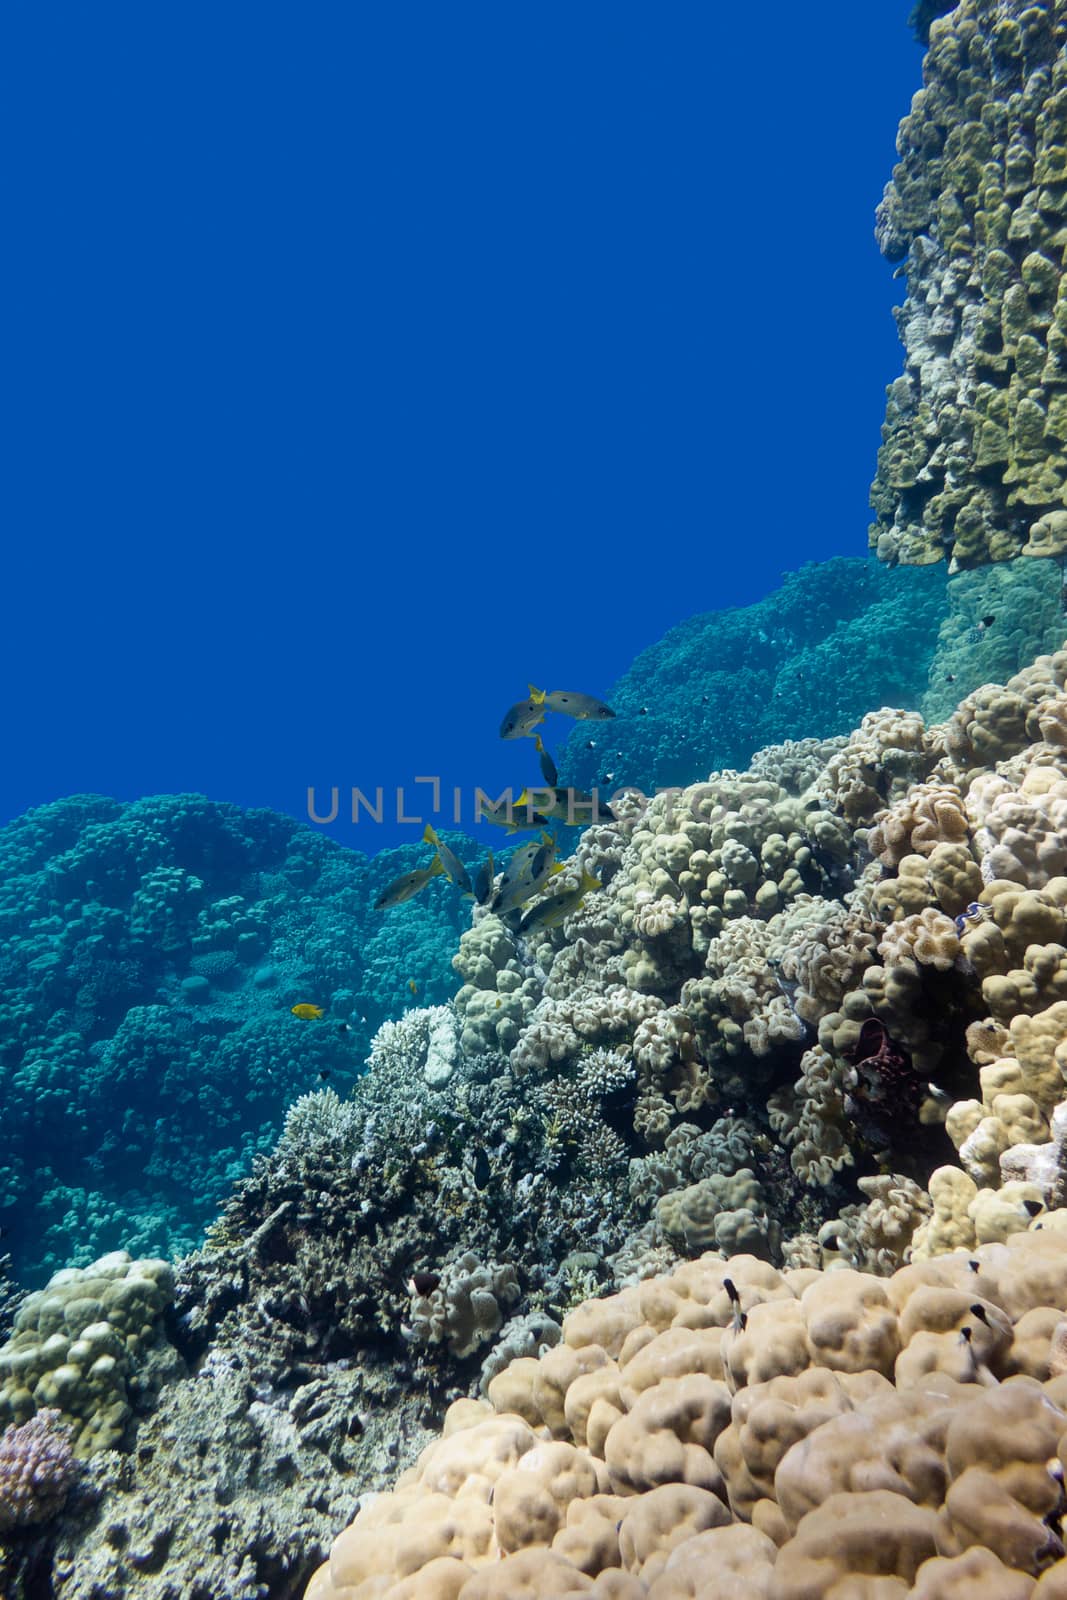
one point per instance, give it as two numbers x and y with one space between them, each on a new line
407 885
306 1012
548 766
454 869
583 707
524 716
483 880
529 868
556 908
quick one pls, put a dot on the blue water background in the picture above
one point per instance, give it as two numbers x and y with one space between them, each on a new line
362 365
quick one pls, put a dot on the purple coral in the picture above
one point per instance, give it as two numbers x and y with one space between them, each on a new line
37 1468
883 1090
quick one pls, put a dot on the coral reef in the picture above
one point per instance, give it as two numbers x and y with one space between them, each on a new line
85 1346
841 1434
149 955
37 1468
924 14
813 1020
972 465
722 1223
807 661
1026 599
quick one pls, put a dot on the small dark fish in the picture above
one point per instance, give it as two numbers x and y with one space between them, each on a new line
704 698
590 744
986 622
966 1334
1033 1206
643 711
978 1310
731 1289
832 1243
483 880
324 1074
423 1282
950 677
548 766
975 1266
343 1027
481 1169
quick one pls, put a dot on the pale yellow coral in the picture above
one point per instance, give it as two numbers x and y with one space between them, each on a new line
925 1407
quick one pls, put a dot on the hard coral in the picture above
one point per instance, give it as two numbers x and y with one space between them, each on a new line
37 1469
856 1436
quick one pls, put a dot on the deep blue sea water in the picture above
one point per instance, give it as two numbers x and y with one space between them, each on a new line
360 371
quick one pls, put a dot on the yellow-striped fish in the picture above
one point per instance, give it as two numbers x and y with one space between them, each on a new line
408 885
454 869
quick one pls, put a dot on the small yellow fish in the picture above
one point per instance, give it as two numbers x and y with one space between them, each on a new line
306 1012
407 885
413 986
556 908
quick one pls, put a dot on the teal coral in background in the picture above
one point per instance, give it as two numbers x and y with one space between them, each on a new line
1025 599
149 957
838 639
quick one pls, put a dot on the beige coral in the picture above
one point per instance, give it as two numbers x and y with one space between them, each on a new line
665 1440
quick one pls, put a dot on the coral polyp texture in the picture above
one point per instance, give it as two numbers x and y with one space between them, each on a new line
81 1347
732 1430
37 1468
973 463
